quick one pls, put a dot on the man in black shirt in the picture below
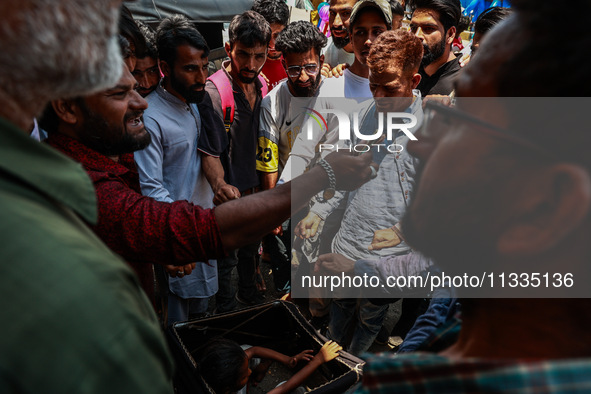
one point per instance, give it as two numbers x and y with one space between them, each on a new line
229 144
435 23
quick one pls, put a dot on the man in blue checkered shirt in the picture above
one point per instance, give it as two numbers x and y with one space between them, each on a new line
508 189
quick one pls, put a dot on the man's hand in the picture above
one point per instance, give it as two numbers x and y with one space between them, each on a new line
305 355
334 263
351 171
308 226
385 238
338 70
465 59
178 271
325 71
439 98
329 351
225 193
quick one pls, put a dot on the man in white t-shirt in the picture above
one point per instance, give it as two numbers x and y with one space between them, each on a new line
300 43
368 20
338 49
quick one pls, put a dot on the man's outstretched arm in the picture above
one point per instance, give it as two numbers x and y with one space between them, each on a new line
244 220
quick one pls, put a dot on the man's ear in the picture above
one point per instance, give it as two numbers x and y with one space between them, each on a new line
67 110
283 63
228 48
415 80
451 34
164 67
321 61
554 204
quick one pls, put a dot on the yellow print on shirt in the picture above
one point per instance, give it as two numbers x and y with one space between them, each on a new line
267 155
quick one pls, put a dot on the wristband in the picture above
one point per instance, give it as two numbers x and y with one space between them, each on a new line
330 192
398 232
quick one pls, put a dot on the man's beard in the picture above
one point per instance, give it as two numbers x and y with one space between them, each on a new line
85 35
274 55
190 93
92 134
247 80
432 54
341 42
305 91
145 92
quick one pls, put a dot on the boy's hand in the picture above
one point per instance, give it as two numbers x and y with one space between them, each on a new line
305 355
329 351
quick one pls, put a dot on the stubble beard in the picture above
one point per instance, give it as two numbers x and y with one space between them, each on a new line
432 54
92 134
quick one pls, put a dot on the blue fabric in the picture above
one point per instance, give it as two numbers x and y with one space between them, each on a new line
440 311
170 170
369 322
381 202
181 309
429 373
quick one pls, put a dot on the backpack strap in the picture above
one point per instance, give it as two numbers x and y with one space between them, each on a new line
264 88
224 87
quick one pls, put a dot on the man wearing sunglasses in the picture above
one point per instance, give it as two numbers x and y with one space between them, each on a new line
300 44
506 188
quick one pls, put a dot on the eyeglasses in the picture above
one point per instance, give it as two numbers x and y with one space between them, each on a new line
439 119
295 71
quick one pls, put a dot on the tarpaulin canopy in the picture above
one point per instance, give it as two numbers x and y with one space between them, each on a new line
201 11
473 8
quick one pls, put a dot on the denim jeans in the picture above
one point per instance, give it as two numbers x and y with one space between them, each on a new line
244 259
279 249
370 318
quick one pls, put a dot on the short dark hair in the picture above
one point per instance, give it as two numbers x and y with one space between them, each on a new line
129 29
250 29
220 364
353 21
489 18
397 8
449 10
396 47
464 23
300 37
150 37
124 47
174 31
274 11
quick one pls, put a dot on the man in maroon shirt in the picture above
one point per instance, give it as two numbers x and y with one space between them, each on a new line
101 132
276 12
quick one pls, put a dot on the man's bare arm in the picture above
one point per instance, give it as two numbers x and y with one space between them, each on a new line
214 172
268 179
243 221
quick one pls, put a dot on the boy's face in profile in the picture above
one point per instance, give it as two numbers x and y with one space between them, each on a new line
243 376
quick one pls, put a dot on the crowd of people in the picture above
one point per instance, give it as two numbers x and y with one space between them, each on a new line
158 177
